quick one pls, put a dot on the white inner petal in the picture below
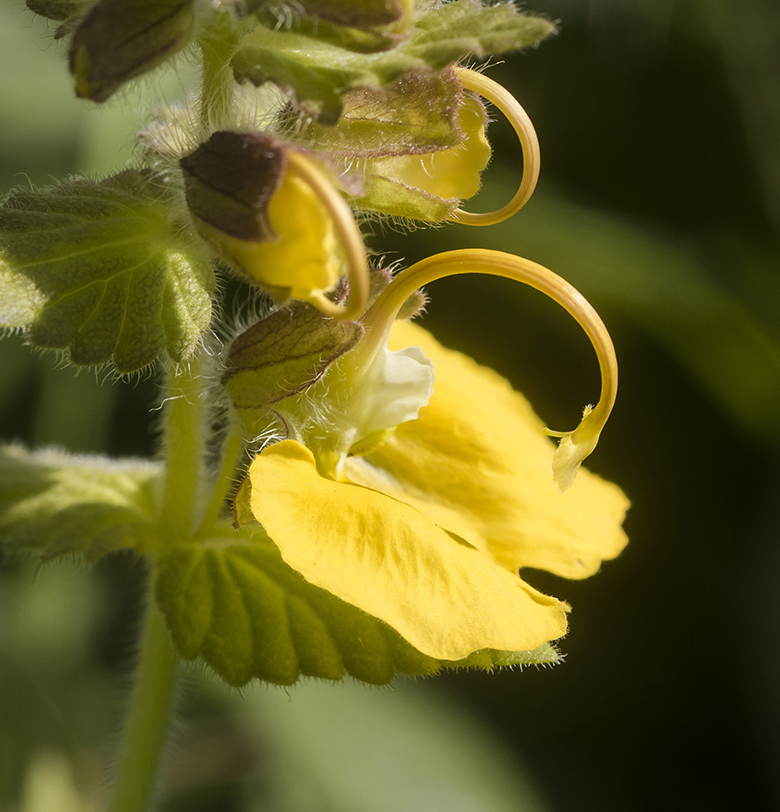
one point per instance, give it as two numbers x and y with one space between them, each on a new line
395 388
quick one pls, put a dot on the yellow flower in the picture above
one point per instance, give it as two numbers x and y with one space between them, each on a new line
432 185
272 213
419 504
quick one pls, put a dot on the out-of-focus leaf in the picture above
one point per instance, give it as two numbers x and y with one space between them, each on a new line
59 10
53 503
342 747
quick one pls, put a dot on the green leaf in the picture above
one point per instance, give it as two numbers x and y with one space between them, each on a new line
101 269
234 602
282 355
319 73
53 503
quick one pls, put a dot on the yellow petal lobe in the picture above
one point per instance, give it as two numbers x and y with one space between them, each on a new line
302 259
477 462
383 556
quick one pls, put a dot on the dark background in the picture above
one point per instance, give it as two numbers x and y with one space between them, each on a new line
659 122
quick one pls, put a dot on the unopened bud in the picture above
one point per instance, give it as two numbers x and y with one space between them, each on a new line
263 220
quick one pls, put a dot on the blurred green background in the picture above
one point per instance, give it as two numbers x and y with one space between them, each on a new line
659 122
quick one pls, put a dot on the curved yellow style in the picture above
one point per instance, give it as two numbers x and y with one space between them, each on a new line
574 446
518 118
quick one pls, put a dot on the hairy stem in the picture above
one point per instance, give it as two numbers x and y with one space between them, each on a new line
234 445
217 44
183 441
147 719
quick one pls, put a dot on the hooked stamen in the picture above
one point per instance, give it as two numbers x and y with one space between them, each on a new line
518 118
575 445
349 235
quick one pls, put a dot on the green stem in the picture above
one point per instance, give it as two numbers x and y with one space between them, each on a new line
217 45
150 704
183 443
147 720
234 445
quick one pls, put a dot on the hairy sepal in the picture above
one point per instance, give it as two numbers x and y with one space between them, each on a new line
415 114
282 355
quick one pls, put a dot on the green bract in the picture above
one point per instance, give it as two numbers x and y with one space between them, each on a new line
414 114
365 26
232 601
319 73
101 269
53 503
282 355
119 39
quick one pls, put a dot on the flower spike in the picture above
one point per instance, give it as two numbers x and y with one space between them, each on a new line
349 235
518 118
574 446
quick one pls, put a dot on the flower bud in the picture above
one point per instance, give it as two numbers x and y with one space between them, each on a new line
262 219
120 39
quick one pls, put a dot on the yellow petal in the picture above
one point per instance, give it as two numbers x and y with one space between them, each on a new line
443 596
449 173
476 462
302 259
